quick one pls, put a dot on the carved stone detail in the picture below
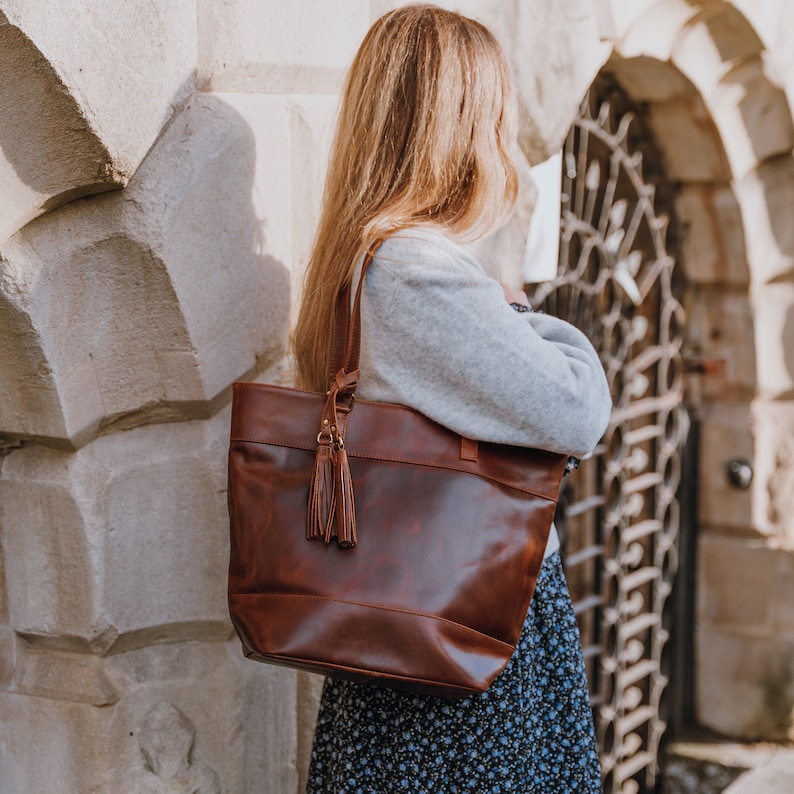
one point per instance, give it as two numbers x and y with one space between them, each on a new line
166 740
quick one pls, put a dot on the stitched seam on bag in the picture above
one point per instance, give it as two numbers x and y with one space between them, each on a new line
375 606
411 461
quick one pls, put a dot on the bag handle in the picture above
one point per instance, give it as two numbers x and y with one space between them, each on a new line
331 510
346 341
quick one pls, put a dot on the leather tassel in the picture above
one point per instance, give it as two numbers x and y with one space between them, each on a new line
345 505
322 495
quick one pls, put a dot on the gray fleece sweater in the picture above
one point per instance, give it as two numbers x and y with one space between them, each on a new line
437 335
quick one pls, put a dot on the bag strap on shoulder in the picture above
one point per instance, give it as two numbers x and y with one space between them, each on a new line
331 505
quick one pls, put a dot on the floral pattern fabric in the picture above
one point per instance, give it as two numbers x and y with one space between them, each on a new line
530 732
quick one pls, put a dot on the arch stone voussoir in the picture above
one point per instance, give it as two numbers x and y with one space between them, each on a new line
752 115
716 49
655 33
712 43
766 196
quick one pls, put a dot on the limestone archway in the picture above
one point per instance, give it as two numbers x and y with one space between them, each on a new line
725 128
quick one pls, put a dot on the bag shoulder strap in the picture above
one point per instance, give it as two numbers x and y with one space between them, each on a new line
346 341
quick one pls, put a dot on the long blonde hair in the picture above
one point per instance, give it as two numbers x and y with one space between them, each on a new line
425 127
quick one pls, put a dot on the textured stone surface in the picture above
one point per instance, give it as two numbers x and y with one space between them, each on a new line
713 250
720 324
655 32
776 777
713 40
144 306
166 743
121 544
691 144
42 123
774 23
765 197
267 46
773 503
725 435
753 114
292 136
756 575
649 80
72 737
192 718
87 96
774 312
744 683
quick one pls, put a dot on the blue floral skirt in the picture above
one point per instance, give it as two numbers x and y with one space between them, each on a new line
530 732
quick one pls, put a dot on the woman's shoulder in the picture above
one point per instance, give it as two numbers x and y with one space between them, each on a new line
424 248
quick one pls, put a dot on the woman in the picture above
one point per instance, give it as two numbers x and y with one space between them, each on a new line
421 159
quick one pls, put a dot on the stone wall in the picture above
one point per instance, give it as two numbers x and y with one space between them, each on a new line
718 88
160 176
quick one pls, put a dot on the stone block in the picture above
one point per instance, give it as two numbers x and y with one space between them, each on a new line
774 23
270 697
76 677
655 33
738 584
196 190
692 148
231 703
649 80
121 544
773 306
72 751
620 15
87 96
144 306
720 325
266 46
776 777
753 117
765 197
8 657
42 122
725 435
556 51
744 684
783 606
292 137
52 569
712 42
191 716
713 246
773 502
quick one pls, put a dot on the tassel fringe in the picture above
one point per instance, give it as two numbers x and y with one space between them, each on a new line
322 496
345 505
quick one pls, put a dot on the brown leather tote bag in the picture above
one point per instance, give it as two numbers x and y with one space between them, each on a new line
371 544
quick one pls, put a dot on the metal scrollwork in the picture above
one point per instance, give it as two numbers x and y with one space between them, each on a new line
619 515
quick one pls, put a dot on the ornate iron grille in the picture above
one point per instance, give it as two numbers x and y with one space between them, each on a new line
619 515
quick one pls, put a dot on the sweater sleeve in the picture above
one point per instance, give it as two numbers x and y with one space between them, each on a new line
438 335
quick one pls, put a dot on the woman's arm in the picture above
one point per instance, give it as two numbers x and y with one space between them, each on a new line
439 336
